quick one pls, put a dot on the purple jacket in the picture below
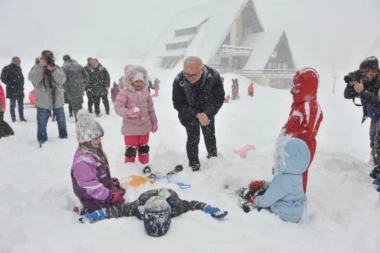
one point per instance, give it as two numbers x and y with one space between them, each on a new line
129 98
114 92
92 181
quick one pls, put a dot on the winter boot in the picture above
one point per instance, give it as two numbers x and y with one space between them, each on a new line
375 172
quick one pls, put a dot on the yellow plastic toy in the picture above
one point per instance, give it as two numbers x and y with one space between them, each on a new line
134 181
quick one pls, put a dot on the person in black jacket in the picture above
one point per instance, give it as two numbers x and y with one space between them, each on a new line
368 92
100 82
90 99
13 78
198 94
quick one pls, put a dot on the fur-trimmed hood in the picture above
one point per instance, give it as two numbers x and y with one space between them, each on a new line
292 156
128 76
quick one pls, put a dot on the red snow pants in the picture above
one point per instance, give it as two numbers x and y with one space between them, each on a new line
136 142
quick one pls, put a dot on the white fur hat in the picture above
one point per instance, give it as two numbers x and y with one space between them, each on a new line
87 128
138 76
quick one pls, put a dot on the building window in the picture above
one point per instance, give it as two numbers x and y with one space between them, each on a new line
170 62
177 45
186 31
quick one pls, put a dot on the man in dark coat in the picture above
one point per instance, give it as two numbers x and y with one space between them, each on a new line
198 94
99 85
76 81
13 78
368 91
90 100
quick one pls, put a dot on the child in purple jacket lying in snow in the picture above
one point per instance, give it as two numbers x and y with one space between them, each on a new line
90 173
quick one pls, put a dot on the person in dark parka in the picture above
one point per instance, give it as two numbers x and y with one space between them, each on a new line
76 81
99 85
12 77
198 94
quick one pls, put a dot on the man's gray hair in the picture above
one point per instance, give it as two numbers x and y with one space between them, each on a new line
193 60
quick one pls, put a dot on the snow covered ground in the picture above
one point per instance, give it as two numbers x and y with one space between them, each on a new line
342 210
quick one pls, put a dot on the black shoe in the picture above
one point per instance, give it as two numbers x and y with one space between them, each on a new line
23 120
89 111
13 120
63 137
70 115
375 172
195 167
108 113
211 155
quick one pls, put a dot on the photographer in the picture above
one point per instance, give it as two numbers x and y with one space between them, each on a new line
47 79
365 83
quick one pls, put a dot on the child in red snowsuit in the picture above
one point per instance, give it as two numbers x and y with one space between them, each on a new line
305 114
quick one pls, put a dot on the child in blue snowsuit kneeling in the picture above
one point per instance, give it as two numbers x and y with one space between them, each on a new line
284 196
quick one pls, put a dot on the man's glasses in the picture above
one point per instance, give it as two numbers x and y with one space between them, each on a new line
192 76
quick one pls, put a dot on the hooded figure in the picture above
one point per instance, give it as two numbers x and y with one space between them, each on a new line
284 196
135 105
305 115
90 172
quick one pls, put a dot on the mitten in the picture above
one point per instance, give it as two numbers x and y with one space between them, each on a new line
97 215
116 182
155 128
251 200
134 112
256 186
214 211
116 198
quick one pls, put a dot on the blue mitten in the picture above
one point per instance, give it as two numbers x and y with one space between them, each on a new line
97 215
215 212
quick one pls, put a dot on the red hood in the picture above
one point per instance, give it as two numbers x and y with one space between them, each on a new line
309 79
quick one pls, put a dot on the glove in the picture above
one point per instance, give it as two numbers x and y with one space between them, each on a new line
256 186
134 112
116 198
214 211
116 182
251 200
155 128
97 215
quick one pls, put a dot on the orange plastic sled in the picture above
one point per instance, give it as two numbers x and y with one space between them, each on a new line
134 181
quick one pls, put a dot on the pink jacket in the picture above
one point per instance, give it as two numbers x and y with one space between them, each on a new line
129 98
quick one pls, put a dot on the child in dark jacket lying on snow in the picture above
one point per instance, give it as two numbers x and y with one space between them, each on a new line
90 173
155 208
284 196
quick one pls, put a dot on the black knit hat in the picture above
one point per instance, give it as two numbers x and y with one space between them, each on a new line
46 53
370 63
66 57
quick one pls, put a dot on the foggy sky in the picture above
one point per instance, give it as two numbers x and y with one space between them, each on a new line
323 33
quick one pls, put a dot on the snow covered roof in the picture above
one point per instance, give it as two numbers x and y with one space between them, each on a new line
263 45
213 22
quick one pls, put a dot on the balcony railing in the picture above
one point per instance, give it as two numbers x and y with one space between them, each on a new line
269 72
235 50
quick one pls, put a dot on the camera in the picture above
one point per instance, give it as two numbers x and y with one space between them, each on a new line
49 57
355 76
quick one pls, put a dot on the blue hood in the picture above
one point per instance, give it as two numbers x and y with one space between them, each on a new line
292 156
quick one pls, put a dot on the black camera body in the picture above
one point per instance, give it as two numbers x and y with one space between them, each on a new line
50 62
49 57
355 76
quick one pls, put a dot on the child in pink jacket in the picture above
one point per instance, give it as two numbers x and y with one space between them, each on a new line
134 104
